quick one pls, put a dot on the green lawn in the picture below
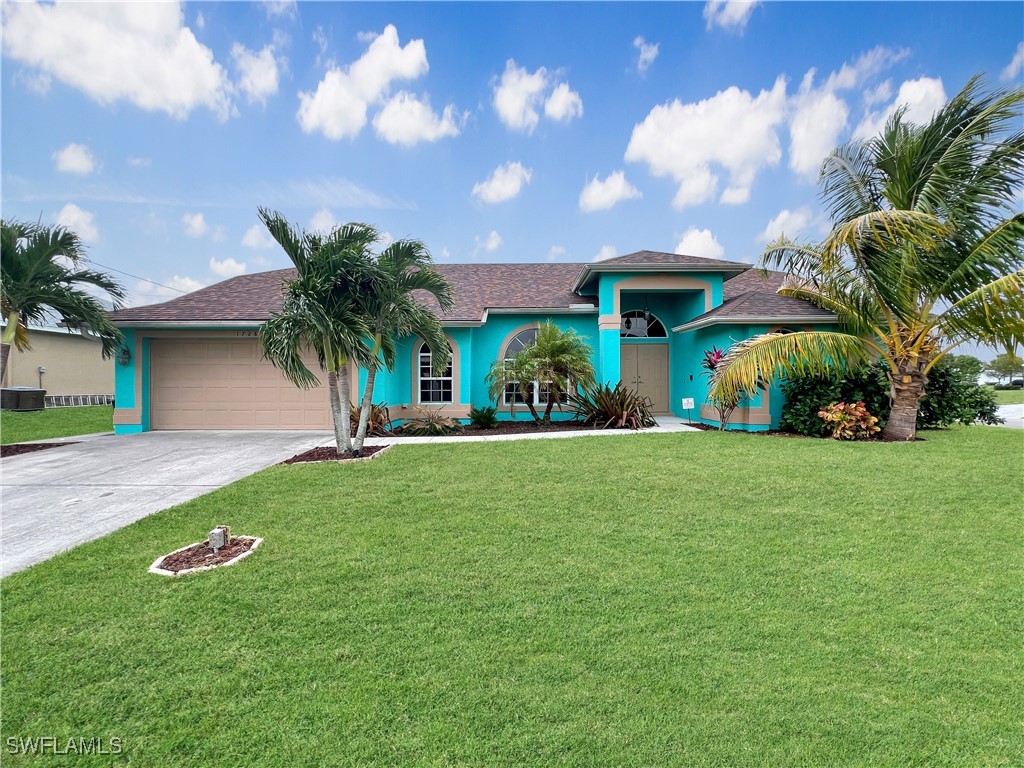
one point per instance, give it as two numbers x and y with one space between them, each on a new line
693 600
54 422
1009 396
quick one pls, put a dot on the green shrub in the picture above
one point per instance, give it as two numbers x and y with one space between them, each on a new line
849 421
949 398
612 407
379 423
483 418
431 424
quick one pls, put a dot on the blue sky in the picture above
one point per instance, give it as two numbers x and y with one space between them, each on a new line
493 132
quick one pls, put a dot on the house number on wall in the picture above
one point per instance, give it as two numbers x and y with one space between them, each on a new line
247 333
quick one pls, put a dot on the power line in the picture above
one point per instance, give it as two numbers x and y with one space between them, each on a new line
129 274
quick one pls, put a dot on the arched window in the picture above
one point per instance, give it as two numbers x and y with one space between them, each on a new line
637 324
434 390
539 391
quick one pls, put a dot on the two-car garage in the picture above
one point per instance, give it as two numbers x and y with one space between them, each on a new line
224 383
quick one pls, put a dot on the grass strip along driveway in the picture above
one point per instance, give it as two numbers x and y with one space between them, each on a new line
55 422
712 599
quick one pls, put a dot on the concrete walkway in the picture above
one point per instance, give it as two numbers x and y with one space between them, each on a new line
1014 415
665 424
59 498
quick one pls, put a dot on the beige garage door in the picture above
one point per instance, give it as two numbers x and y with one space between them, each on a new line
223 384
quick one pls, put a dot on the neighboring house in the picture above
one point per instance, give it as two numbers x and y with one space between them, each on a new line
195 361
74 364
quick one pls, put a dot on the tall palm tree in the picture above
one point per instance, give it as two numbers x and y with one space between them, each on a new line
558 362
925 254
391 312
43 273
320 311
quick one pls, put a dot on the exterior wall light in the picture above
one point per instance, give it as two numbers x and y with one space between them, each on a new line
124 356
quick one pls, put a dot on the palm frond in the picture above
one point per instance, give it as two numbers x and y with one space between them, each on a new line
753 363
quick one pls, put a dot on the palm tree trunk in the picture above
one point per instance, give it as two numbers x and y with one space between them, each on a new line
336 415
552 397
906 389
364 409
346 406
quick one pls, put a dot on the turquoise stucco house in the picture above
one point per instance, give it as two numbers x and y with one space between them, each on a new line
194 362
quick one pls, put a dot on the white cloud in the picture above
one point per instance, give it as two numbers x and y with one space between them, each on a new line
446 254
730 15
219 234
78 221
563 104
279 8
684 141
504 184
881 92
866 66
323 221
227 267
136 52
700 242
168 288
556 252
606 252
195 224
37 82
648 53
922 97
200 21
518 96
818 118
600 195
139 162
75 158
1013 69
407 120
338 106
257 237
489 244
258 74
788 223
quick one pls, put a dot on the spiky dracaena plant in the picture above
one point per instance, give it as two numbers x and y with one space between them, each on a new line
925 253
320 310
43 272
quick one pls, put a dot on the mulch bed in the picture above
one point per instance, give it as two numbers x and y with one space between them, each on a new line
330 453
520 427
17 450
203 555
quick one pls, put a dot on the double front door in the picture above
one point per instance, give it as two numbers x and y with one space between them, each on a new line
644 367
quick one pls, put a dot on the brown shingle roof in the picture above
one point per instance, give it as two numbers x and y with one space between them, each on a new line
477 288
668 259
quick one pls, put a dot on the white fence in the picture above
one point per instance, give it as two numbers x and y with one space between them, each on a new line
66 401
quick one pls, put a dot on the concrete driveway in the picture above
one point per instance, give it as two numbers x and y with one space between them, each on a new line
59 498
1014 415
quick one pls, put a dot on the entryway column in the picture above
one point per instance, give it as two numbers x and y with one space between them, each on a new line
608 335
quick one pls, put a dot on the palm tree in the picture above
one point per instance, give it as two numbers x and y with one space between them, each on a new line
42 274
391 312
925 253
319 310
558 362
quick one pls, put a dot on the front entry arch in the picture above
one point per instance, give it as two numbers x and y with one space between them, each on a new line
644 367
